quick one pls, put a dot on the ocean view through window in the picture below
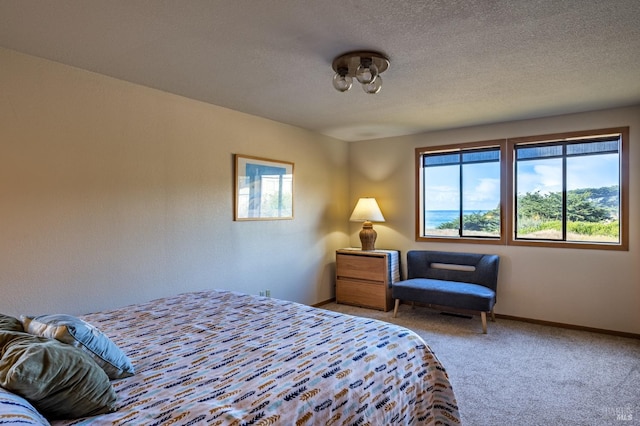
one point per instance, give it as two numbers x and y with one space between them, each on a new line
461 191
436 218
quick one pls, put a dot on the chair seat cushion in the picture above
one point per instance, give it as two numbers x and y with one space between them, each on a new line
455 294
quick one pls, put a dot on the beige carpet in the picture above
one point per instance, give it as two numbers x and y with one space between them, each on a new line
528 374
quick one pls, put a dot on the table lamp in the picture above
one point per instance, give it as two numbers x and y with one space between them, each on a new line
367 211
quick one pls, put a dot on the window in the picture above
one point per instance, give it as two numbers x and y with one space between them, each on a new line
460 193
569 190
565 190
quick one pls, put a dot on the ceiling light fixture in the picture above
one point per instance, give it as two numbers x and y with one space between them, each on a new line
366 67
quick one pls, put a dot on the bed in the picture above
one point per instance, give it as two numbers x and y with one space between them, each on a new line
228 358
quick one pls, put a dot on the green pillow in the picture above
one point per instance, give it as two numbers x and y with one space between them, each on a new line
81 334
61 381
10 323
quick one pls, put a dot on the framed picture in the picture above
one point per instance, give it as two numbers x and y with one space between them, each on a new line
263 189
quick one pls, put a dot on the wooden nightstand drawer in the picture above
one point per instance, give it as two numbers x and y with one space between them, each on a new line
361 267
363 293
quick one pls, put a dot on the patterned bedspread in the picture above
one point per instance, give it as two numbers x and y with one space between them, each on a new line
225 358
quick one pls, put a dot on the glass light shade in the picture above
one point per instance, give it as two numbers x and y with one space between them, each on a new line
367 71
342 83
366 210
373 87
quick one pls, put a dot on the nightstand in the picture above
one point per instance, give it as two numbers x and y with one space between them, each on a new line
364 278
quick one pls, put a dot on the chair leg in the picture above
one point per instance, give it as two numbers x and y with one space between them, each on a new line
493 316
395 309
483 315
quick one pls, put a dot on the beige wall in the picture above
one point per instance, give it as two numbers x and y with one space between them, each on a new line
590 288
113 193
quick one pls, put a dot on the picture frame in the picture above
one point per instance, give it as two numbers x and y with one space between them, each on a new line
263 189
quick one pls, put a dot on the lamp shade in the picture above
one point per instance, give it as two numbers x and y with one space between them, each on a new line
367 210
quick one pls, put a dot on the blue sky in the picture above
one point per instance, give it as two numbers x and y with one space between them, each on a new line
482 184
483 190
582 172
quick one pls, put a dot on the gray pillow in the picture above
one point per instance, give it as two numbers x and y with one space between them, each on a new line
81 334
10 323
61 381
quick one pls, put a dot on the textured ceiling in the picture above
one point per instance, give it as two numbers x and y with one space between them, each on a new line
454 63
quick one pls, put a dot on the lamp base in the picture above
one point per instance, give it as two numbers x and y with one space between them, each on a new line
368 236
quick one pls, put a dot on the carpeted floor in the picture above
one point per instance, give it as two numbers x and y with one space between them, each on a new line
528 374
